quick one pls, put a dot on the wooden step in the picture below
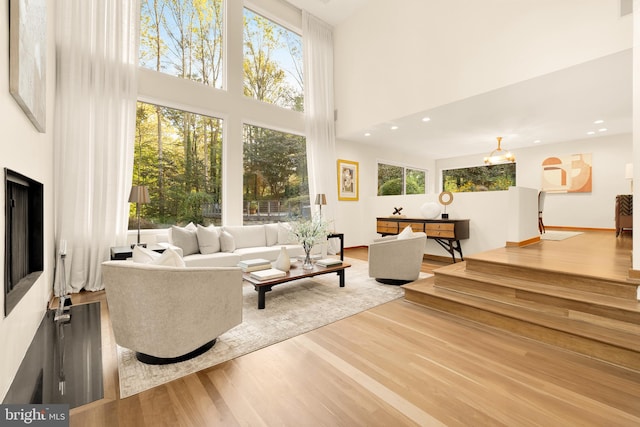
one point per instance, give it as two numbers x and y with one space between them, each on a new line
535 321
581 282
597 308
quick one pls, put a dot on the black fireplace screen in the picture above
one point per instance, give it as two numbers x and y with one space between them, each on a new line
23 236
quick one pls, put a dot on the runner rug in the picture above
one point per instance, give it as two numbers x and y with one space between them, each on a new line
291 309
559 235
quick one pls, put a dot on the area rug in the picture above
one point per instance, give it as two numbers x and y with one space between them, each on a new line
291 309
559 235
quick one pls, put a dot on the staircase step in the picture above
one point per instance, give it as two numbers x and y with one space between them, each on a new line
581 282
535 321
602 309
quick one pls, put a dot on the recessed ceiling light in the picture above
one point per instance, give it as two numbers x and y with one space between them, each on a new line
603 130
367 134
394 127
426 119
591 132
597 122
537 141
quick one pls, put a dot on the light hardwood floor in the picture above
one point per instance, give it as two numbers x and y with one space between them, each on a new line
398 364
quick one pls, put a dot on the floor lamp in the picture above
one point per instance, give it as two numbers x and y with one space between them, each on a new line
139 194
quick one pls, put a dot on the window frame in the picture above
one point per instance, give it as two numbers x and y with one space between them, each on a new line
404 168
229 103
445 188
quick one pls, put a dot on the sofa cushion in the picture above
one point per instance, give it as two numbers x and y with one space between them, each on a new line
185 238
227 243
169 258
143 255
269 252
208 239
218 259
271 233
247 236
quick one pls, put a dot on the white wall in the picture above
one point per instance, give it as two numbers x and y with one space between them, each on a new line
30 153
488 211
396 60
589 210
358 219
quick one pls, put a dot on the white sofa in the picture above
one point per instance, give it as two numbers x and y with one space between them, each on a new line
226 246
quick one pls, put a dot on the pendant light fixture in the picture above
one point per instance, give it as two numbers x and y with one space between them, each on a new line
499 156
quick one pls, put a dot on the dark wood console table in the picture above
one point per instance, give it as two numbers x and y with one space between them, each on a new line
446 232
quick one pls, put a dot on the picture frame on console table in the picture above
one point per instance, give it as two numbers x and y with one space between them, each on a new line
348 180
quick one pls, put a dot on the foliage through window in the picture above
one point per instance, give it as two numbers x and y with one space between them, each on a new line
272 63
275 186
183 38
178 156
397 180
480 178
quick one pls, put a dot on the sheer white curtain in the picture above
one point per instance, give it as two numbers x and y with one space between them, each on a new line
318 107
96 88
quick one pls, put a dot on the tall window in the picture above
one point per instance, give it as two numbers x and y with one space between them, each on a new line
178 156
275 176
396 180
183 38
272 63
479 178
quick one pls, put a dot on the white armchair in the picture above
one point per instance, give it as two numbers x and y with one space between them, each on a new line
397 261
170 314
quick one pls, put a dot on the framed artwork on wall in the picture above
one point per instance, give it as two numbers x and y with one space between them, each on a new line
28 58
348 181
567 174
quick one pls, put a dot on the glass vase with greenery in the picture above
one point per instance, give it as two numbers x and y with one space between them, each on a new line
309 232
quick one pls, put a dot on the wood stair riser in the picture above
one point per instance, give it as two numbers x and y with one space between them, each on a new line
626 290
564 306
593 348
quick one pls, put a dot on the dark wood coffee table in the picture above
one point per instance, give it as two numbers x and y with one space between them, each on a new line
296 272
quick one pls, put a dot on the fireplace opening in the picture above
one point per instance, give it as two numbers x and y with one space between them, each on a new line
23 248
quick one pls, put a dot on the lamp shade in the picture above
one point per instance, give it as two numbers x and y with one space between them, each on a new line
139 194
628 171
321 199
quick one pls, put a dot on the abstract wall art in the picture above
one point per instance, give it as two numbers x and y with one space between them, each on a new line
28 58
567 174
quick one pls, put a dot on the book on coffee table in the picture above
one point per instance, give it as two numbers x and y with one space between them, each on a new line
254 264
271 273
328 262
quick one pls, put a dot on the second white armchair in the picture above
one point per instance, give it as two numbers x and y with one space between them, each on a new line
397 260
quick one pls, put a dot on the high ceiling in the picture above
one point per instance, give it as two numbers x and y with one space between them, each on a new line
556 107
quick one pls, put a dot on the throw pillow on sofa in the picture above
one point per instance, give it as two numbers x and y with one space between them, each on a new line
185 238
208 239
227 243
285 234
271 233
169 258
143 255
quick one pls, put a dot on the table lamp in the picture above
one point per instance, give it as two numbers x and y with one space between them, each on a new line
321 199
139 194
